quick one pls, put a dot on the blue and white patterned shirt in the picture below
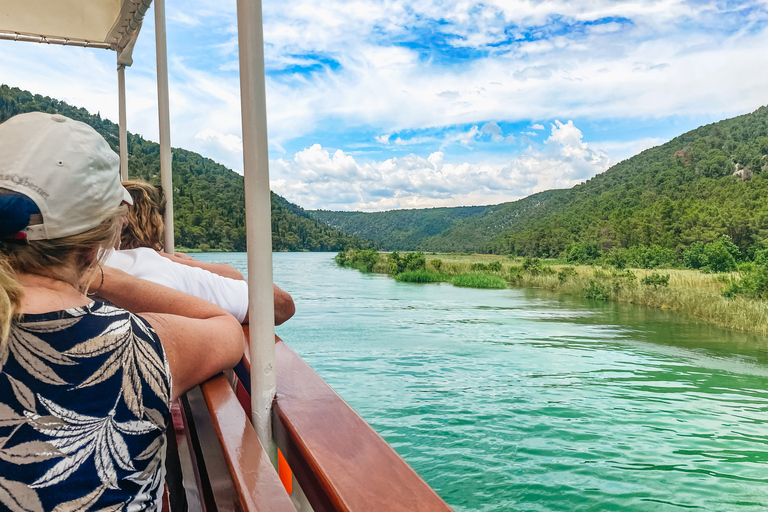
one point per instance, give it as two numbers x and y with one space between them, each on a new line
84 394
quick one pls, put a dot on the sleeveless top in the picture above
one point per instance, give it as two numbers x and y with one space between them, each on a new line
84 394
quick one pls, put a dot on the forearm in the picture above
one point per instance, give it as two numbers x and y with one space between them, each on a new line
141 296
284 306
220 269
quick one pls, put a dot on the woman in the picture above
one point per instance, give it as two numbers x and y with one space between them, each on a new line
139 256
145 218
85 386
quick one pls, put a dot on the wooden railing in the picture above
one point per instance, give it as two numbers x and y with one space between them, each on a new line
339 461
221 458
257 485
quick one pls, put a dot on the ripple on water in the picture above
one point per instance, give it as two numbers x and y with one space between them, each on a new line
518 400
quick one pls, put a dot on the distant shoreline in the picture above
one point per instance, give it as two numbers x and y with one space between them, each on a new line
692 292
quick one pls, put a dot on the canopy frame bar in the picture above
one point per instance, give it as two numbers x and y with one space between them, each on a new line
258 219
164 115
123 122
15 36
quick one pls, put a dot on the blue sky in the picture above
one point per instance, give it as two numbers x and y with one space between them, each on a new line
384 104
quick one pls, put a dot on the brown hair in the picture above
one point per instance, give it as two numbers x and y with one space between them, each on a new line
145 217
45 256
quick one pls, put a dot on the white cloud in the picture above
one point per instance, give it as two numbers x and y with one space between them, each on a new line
231 143
670 58
317 179
619 151
494 130
413 140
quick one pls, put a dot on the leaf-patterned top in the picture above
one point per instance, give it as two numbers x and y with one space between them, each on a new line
84 394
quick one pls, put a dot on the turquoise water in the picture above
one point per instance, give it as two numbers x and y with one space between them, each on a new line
523 400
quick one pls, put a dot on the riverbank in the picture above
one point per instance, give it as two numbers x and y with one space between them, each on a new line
691 292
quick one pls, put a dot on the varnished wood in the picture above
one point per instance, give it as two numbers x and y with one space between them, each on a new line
341 463
256 481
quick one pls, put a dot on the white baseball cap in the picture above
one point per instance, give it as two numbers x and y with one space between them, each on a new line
65 167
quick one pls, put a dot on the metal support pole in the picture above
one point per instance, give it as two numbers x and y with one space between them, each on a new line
164 113
123 123
258 219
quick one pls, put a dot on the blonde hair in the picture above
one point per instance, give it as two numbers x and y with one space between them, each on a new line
45 256
145 217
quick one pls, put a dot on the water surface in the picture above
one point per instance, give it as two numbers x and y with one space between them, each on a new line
525 400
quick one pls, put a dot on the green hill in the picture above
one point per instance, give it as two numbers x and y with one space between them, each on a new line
398 229
699 186
209 199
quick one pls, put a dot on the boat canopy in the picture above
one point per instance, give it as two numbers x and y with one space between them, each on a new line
109 24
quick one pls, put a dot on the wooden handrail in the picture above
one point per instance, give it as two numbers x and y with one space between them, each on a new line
341 463
256 481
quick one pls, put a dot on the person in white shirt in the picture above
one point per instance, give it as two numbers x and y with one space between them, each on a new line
139 256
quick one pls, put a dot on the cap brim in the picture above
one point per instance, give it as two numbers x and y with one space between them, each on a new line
127 196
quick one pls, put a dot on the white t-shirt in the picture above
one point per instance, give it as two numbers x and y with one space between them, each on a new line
145 263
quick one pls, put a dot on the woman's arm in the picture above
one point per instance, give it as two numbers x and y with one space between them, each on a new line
284 306
217 268
200 339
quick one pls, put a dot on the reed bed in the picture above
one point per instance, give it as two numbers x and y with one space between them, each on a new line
694 293
478 280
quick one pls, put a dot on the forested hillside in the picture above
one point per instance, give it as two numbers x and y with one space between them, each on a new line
398 229
699 186
706 183
209 199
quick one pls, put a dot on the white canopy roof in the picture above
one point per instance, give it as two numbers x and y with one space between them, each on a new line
111 24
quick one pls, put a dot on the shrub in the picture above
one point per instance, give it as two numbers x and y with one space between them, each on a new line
419 276
531 263
597 291
495 266
757 248
415 261
515 273
478 281
732 248
534 266
753 284
478 267
437 264
411 261
761 257
583 253
341 258
618 258
654 256
365 260
719 256
395 263
695 257
655 279
565 273
628 275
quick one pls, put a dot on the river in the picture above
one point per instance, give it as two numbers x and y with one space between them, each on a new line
523 400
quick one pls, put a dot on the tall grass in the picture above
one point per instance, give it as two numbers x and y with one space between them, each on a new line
420 276
691 292
477 280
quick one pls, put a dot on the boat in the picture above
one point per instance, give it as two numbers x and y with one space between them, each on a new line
276 437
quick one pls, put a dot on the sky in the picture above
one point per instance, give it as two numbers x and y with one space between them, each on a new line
383 104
